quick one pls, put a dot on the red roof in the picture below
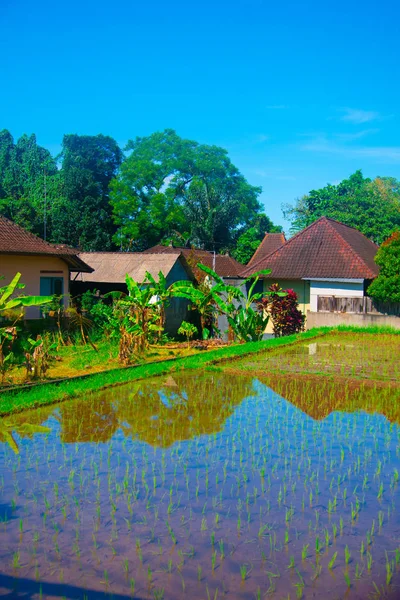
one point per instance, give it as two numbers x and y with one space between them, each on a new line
325 249
16 240
270 243
225 265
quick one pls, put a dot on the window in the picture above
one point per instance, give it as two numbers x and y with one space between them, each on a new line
50 286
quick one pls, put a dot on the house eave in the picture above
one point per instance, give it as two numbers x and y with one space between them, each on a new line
334 279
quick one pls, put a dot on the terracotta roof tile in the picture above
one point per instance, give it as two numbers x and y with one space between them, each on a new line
270 243
325 249
16 240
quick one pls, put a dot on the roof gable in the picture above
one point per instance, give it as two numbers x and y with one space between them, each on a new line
326 248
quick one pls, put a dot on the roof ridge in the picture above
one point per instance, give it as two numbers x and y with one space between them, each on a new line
354 253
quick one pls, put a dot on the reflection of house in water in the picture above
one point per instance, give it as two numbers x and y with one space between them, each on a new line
319 396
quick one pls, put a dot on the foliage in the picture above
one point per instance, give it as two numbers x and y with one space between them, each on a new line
386 287
140 315
286 317
89 162
173 188
371 206
251 238
214 297
188 330
8 334
37 356
34 191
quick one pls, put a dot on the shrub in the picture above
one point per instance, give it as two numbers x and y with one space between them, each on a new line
285 314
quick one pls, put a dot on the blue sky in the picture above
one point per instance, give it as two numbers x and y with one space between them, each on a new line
300 93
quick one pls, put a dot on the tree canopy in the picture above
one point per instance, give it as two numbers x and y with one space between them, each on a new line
170 188
386 287
70 194
371 206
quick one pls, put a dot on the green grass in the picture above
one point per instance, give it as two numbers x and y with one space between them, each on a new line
16 400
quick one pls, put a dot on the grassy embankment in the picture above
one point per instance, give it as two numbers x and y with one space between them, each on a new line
15 400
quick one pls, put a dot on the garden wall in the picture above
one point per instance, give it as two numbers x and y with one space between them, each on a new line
331 319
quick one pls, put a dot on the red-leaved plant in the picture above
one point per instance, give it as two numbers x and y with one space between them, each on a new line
285 314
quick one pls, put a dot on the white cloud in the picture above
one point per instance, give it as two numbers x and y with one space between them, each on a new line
358 116
350 137
380 153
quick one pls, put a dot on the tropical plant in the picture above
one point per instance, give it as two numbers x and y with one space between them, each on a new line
141 314
188 330
10 303
214 297
284 310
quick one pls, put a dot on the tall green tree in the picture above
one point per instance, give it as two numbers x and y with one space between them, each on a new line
169 187
371 206
24 166
89 162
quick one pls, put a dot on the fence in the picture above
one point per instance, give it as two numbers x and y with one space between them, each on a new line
361 305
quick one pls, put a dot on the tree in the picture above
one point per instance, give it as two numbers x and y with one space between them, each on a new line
173 188
89 162
386 287
371 206
23 169
251 238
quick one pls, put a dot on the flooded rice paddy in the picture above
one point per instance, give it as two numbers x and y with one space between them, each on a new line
275 476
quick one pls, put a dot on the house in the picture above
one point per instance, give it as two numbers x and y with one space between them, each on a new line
327 258
45 268
109 270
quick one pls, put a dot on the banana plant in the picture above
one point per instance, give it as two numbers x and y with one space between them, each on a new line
247 322
7 303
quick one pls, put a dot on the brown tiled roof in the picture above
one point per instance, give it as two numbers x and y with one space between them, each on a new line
325 249
270 243
16 240
225 266
112 267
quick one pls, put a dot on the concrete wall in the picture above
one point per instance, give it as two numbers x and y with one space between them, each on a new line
333 288
31 269
323 319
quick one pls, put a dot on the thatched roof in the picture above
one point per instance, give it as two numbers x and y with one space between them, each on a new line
112 267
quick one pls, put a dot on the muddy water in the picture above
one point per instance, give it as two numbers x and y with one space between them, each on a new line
204 486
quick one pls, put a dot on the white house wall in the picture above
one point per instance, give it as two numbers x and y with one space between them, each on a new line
334 288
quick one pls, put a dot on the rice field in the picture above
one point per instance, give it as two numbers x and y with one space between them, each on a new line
272 476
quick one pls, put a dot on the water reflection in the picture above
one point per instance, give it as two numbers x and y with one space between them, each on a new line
159 412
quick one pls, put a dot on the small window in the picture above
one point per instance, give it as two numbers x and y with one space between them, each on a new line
50 286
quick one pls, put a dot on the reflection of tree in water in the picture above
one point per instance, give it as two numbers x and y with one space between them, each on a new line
319 396
159 411
182 407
